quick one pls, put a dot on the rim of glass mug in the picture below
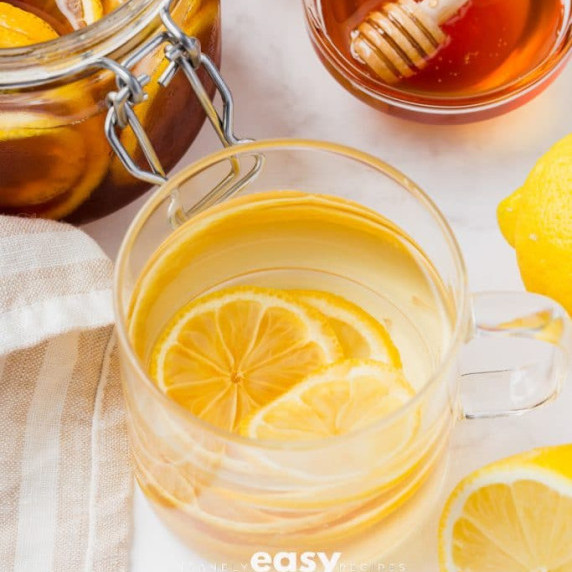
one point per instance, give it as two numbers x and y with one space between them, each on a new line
466 326
45 62
462 319
492 99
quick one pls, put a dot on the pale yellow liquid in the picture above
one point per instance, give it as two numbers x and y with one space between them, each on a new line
332 500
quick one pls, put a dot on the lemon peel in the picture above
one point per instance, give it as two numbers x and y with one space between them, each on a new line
537 221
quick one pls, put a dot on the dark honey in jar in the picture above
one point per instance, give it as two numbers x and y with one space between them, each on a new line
55 160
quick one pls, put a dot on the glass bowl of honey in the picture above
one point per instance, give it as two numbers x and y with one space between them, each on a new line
497 55
63 66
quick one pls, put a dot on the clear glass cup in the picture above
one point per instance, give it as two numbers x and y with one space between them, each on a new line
438 108
359 494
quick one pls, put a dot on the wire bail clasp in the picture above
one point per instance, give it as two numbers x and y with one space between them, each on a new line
183 53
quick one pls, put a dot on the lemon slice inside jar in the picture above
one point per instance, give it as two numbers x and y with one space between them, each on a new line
49 165
50 161
338 399
39 159
21 28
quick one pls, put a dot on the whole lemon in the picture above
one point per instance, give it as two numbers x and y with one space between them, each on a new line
537 221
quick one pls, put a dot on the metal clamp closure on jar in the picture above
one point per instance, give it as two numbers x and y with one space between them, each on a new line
184 53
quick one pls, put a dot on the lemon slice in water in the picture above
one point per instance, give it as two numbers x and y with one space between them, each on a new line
341 398
229 353
361 336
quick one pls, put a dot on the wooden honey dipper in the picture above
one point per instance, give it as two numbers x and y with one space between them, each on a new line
396 41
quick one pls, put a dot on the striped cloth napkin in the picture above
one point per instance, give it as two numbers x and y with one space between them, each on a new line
65 484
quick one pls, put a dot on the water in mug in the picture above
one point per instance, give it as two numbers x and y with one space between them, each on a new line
226 496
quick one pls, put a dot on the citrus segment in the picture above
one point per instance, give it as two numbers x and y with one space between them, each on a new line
341 398
512 516
230 352
22 28
361 336
86 12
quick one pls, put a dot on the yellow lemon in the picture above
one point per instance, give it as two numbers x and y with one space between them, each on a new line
514 515
344 397
360 335
57 151
228 353
537 221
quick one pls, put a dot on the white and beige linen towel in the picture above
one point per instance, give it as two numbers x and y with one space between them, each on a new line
65 484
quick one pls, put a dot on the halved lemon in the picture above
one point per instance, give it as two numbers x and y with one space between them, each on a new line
361 336
341 398
514 515
231 352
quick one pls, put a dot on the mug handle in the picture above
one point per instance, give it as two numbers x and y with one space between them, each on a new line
524 341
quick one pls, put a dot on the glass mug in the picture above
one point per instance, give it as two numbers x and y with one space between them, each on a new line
228 496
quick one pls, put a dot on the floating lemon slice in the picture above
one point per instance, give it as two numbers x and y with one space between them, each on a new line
229 353
85 12
514 515
49 164
361 336
341 398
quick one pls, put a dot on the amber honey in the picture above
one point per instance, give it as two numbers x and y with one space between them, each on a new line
492 43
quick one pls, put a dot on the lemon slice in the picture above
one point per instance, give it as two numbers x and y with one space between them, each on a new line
22 28
57 154
76 14
361 336
514 515
339 399
228 353
69 161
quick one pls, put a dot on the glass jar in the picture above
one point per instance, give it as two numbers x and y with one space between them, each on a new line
55 158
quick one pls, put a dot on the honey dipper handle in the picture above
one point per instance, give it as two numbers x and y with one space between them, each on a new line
440 11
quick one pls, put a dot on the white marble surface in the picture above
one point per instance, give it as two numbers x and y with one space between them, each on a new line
281 89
